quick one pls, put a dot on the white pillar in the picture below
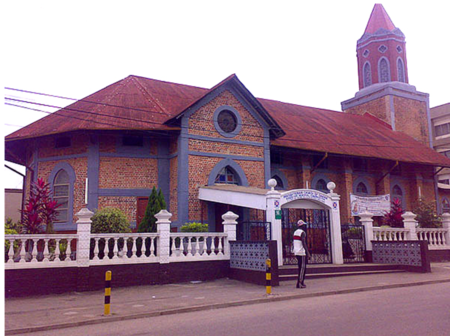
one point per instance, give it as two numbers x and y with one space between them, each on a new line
272 204
163 229
84 236
446 225
335 226
229 227
410 223
367 222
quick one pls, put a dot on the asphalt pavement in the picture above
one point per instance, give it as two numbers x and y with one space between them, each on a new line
41 313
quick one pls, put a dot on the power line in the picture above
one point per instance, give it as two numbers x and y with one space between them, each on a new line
62 109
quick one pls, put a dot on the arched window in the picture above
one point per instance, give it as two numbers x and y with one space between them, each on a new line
361 189
397 193
400 70
227 176
383 71
280 184
61 189
445 205
321 185
367 75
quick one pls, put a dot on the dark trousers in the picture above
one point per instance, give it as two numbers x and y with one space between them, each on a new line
301 260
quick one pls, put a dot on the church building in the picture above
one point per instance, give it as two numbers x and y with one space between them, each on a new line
113 146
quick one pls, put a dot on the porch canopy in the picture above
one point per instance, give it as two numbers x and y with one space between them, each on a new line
248 197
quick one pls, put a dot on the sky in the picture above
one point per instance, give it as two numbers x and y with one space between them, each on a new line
301 52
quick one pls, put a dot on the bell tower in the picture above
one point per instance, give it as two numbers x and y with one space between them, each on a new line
384 89
381 51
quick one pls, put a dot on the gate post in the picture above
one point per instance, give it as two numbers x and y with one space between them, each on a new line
163 228
335 226
272 204
367 222
409 222
229 227
446 225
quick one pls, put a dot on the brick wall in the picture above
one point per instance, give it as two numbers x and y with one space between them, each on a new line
379 108
128 173
46 146
126 204
411 118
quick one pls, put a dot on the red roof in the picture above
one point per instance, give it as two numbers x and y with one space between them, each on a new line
379 19
137 103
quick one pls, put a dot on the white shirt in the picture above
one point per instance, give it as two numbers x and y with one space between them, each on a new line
299 249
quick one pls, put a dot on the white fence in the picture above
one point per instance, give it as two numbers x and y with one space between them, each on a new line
438 239
85 248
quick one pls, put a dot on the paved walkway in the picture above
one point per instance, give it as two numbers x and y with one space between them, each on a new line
74 309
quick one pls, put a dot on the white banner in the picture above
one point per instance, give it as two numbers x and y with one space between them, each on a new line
378 205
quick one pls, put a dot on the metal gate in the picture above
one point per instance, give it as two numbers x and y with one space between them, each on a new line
318 235
254 231
353 243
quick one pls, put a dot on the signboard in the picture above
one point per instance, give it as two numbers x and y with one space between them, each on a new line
277 214
305 194
377 205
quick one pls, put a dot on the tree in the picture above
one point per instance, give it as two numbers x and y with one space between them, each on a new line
40 209
155 204
394 217
426 214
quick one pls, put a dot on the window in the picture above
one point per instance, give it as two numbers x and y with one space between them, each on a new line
397 193
366 53
280 185
361 189
442 129
321 185
400 70
227 176
445 205
227 121
61 189
62 142
133 140
367 75
399 49
382 48
384 71
445 181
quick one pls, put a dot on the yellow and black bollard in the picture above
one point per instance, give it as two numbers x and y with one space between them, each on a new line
107 293
268 277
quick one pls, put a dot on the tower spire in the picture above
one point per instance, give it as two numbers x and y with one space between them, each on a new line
381 51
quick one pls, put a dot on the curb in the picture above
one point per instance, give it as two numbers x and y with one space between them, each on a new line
271 298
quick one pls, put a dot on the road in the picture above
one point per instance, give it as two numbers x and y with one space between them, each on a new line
419 310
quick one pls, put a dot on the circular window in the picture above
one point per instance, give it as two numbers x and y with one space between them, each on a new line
227 121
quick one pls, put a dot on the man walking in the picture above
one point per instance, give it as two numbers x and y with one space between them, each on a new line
301 252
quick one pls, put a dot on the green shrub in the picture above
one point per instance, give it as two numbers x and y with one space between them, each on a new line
426 214
109 220
194 227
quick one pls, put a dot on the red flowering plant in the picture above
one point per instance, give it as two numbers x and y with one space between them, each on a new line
40 209
394 217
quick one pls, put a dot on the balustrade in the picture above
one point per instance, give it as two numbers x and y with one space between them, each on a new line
436 237
390 234
40 249
197 245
